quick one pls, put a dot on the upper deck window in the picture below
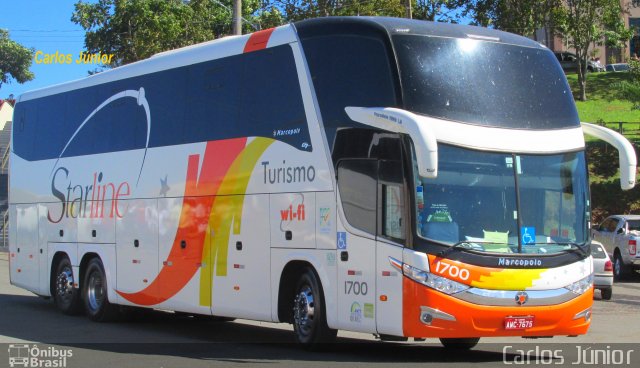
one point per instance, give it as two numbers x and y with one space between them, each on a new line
484 83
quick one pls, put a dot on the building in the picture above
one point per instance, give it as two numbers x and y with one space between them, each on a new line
607 55
6 116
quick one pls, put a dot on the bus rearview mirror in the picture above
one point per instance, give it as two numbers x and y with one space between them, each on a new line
404 122
626 153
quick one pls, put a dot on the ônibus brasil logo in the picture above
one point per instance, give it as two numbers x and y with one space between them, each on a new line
24 355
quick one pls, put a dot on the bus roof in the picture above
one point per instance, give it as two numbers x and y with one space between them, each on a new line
228 46
333 25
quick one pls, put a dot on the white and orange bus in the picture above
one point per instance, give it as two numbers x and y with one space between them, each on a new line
388 176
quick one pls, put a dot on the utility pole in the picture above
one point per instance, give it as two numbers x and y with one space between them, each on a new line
237 17
408 9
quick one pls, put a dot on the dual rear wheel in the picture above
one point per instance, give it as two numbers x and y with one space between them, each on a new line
92 296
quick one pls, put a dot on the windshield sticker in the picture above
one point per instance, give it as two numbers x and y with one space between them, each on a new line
420 197
528 235
439 213
508 162
342 239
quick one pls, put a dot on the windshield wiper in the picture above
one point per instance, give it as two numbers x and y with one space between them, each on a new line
461 245
573 245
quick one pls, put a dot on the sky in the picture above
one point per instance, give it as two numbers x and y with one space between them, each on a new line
46 26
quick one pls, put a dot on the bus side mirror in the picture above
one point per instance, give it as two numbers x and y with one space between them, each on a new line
626 153
404 122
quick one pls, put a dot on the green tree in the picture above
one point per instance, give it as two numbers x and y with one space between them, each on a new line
15 60
631 89
585 22
295 10
132 30
522 17
439 10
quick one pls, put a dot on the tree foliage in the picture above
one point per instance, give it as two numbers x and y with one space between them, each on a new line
295 10
586 22
522 17
439 10
15 60
132 30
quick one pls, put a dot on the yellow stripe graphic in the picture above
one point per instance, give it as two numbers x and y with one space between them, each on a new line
226 215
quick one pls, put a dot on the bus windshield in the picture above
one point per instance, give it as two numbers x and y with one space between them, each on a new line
505 203
484 83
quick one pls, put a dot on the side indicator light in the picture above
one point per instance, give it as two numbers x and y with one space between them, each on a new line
383 298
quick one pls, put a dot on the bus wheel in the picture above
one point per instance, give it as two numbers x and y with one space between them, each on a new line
460 343
65 296
94 294
620 270
309 318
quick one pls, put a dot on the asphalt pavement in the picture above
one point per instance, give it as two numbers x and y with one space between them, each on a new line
161 339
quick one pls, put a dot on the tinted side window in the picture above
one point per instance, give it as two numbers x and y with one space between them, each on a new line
346 71
391 185
213 96
357 182
271 98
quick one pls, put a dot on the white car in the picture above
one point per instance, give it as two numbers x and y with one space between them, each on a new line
620 235
602 270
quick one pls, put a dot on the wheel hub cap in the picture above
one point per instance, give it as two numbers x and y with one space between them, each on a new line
304 310
64 283
95 292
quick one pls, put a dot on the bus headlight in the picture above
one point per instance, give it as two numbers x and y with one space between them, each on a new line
436 282
581 286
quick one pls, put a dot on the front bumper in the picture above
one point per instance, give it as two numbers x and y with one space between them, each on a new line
454 317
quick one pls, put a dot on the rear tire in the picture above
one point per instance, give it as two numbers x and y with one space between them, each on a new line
466 343
94 294
65 296
620 270
309 312
606 294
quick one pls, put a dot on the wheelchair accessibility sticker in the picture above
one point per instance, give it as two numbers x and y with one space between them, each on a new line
342 240
528 235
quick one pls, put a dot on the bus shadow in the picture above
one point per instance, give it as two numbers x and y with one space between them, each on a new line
155 333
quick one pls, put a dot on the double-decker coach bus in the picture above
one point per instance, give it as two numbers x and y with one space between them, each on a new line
389 176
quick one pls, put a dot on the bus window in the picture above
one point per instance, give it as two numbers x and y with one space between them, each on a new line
357 182
392 208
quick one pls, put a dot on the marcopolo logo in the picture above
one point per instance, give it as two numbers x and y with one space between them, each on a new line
33 356
520 262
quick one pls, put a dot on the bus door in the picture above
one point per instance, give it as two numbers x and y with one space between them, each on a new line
392 227
356 244
373 197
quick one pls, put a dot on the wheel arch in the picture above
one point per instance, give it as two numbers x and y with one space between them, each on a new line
286 287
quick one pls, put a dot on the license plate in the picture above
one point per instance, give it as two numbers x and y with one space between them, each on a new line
518 323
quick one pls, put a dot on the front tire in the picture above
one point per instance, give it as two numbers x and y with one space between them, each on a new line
459 343
94 294
65 296
309 312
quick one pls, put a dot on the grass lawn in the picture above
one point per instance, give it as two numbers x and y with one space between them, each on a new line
603 100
